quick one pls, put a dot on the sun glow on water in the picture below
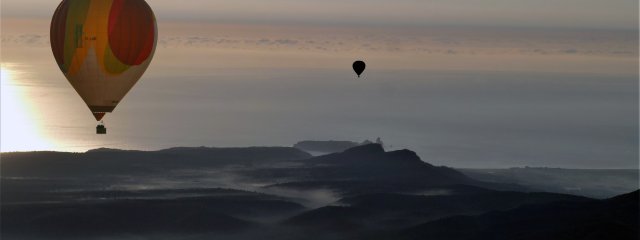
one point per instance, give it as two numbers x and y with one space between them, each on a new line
19 129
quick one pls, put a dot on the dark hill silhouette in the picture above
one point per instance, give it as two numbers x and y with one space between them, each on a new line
454 203
362 192
368 168
331 218
611 182
113 213
391 210
325 146
113 161
615 218
79 221
371 162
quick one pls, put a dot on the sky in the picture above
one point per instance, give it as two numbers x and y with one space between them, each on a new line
464 83
613 14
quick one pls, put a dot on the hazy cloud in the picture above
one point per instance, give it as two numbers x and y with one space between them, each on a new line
453 41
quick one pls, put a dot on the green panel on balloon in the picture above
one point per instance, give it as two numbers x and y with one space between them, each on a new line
76 16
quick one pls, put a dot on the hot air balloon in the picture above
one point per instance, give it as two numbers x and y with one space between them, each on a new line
359 67
103 47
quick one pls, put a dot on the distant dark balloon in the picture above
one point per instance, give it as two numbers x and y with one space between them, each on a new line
359 67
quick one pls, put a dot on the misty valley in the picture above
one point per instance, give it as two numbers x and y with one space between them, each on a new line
343 191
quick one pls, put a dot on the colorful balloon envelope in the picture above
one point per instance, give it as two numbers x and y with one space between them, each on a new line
103 47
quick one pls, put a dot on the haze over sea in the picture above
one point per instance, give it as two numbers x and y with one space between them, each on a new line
463 96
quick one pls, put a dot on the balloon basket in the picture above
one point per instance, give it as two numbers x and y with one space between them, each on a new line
100 129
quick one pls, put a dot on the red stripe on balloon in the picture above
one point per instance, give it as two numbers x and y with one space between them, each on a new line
116 9
131 31
148 38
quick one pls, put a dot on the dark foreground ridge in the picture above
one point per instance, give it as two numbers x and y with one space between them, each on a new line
615 218
363 192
